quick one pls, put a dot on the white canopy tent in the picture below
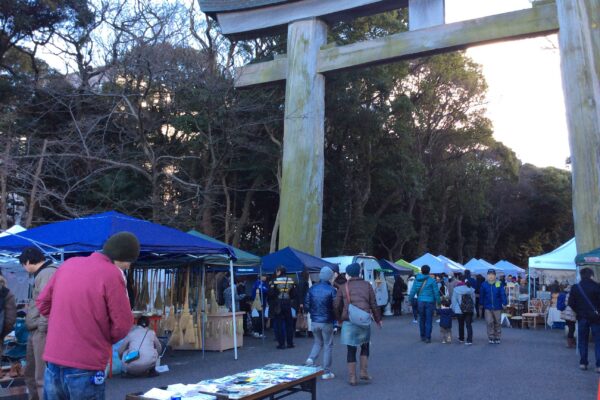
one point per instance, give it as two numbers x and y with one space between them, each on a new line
454 266
481 267
437 266
558 265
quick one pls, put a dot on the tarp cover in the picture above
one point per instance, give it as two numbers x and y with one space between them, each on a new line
88 234
562 258
589 258
294 261
395 268
243 258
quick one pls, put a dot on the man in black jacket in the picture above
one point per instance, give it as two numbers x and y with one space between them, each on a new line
585 301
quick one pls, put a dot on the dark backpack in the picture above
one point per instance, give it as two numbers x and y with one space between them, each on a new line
466 303
561 302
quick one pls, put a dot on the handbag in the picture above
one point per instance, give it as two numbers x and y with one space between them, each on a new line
302 322
596 318
356 315
134 355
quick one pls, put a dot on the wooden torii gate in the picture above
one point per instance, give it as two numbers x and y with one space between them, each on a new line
309 59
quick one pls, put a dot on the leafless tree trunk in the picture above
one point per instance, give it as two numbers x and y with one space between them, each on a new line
34 187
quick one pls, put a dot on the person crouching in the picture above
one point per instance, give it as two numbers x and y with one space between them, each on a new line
142 340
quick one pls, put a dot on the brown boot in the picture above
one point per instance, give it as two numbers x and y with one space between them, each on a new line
570 343
364 368
352 374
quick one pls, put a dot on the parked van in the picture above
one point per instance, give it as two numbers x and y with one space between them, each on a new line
371 272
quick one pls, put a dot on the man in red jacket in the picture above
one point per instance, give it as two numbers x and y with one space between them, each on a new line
88 311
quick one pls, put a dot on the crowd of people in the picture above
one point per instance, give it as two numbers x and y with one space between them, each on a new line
74 318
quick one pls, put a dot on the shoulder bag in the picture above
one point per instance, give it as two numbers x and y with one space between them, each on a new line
134 355
356 315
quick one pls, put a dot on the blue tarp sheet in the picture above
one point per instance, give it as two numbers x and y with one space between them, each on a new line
88 234
294 261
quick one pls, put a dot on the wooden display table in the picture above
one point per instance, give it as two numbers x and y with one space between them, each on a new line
219 333
233 387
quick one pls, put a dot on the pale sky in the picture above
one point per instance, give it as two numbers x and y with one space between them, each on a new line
525 98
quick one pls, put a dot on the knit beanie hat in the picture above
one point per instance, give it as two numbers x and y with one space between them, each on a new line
353 270
122 246
326 274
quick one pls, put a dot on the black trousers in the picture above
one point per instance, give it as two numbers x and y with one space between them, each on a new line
283 325
571 329
465 319
364 351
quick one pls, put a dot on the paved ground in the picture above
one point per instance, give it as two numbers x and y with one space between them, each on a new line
529 364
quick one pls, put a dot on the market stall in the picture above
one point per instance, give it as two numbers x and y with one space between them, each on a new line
169 261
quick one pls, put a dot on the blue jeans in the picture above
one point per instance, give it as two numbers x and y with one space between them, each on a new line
283 325
323 340
583 338
65 383
426 319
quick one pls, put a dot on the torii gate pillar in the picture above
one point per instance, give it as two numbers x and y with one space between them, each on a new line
301 199
579 41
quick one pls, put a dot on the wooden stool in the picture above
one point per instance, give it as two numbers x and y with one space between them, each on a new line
529 318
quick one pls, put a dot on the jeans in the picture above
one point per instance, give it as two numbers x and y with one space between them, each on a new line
465 319
415 309
65 383
283 325
583 338
425 319
323 339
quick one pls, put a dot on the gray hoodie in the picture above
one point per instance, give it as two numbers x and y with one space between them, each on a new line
457 297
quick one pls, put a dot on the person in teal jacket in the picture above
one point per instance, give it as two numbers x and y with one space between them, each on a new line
493 298
428 297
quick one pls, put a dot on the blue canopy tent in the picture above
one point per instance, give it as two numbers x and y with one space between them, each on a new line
294 261
159 245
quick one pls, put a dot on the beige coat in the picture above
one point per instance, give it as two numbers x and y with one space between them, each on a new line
149 348
34 320
568 314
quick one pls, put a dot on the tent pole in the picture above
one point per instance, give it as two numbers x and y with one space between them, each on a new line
262 303
233 309
203 309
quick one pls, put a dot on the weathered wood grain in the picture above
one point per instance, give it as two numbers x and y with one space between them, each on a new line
426 13
532 22
265 18
579 40
301 196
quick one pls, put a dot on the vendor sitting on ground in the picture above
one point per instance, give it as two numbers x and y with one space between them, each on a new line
144 340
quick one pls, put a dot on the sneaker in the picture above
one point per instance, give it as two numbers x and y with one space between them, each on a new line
461 341
468 344
280 347
256 335
491 341
583 367
437 321
309 362
497 341
444 342
328 376
415 321
291 346
427 340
